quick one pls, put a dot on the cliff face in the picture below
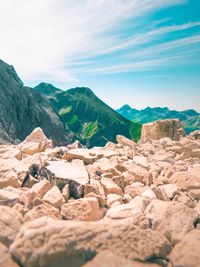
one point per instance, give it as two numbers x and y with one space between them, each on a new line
22 109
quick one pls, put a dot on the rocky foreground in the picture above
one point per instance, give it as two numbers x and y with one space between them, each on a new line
122 205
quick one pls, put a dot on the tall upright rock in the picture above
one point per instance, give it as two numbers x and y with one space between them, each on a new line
22 109
171 128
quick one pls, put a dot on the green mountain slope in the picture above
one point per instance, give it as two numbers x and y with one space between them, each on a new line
92 121
190 118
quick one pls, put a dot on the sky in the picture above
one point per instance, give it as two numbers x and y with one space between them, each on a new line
137 52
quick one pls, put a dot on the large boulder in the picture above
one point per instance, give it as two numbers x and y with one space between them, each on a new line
171 128
46 242
172 219
35 142
186 252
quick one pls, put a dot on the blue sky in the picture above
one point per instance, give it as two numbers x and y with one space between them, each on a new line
144 53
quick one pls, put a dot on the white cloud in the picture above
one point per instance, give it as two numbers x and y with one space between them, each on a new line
43 39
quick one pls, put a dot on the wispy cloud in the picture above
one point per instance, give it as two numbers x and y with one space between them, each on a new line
58 39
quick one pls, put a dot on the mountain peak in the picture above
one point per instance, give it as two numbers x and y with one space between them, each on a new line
47 89
8 73
81 90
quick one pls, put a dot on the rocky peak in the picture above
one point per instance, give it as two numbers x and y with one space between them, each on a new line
22 109
9 74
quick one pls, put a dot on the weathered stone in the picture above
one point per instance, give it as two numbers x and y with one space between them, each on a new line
27 197
10 223
65 192
106 166
148 193
141 160
186 252
5 257
195 135
112 198
122 140
54 197
195 194
30 181
162 155
89 156
40 211
110 187
85 209
135 207
35 142
138 174
186 181
104 257
171 128
170 190
9 195
41 188
8 177
97 188
185 199
172 219
20 208
46 242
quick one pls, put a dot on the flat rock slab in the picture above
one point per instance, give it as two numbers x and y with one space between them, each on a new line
63 170
89 156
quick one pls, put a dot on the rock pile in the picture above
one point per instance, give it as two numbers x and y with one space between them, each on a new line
124 204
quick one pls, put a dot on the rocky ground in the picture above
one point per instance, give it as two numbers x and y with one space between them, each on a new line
122 205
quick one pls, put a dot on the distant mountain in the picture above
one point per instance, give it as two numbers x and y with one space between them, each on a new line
90 119
22 109
190 118
47 89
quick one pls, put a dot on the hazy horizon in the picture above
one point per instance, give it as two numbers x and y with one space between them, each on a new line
141 53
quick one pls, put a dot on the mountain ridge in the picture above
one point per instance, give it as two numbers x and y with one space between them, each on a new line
190 118
93 121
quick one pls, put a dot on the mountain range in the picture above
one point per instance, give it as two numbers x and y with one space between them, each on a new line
90 119
64 116
190 118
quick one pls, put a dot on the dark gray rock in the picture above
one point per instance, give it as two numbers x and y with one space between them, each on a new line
22 109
